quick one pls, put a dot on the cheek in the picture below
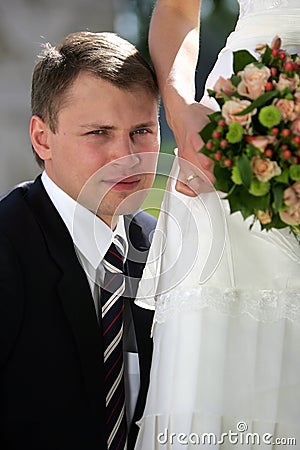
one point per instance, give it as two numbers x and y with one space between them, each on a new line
89 158
149 180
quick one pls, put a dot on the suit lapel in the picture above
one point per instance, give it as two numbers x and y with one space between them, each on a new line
74 293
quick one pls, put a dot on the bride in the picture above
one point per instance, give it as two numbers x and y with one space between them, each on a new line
226 361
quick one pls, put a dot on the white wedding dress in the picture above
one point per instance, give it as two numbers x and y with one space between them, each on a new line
227 303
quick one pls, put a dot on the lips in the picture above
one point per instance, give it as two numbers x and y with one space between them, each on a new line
124 183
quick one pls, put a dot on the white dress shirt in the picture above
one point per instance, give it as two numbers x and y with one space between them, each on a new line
92 239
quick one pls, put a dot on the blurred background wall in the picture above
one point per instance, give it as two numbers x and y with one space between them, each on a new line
25 24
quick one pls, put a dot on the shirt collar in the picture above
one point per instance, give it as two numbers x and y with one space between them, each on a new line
91 236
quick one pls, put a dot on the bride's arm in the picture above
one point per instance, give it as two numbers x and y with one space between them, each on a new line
174 48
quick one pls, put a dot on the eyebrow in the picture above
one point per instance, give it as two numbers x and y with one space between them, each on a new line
97 126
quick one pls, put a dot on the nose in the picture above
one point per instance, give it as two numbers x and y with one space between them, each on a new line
125 154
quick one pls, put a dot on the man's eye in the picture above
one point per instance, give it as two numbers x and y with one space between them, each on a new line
96 132
140 131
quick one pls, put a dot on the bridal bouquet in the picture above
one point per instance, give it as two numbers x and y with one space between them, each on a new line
254 139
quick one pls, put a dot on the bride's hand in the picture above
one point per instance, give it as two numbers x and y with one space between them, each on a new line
196 170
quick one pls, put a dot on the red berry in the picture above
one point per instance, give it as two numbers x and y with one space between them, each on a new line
288 66
273 71
216 134
298 152
282 56
209 145
295 66
269 86
227 163
287 154
221 123
296 140
223 143
283 147
218 156
295 160
275 130
285 132
275 52
269 152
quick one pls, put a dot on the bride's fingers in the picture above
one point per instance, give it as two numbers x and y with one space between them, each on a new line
195 182
195 176
185 189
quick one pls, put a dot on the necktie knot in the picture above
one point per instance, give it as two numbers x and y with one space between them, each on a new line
114 259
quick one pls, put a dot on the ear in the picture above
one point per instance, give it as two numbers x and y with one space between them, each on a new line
39 135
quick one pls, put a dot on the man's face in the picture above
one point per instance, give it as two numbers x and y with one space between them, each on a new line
100 153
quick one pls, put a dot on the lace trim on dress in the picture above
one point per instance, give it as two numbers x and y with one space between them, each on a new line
261 305
257 6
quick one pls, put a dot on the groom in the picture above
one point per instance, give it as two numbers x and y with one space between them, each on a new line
95 133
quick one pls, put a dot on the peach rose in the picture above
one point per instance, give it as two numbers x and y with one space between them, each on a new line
260 142
224 86
289 196
291 216
264 217
296 127
253 81
264 169
235 106
297 95
297 102
286 82
286 107
296 188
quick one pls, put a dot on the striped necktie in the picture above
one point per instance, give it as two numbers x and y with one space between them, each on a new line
112 306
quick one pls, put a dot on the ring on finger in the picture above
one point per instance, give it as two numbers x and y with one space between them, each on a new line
191 178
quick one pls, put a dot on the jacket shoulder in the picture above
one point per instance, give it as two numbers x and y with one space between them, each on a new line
140 227
13 207
145 220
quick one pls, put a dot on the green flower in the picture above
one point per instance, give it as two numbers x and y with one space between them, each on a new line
295 172
269 116
259 188
235 133
236 176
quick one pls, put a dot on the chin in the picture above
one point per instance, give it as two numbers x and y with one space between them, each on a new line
123 206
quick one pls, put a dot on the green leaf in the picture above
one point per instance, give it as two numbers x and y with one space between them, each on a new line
278 197
215 116
242 58
235 80
266 56
260 101
223 180
295 172
234 199
205 151
283 177
255 203
213 94
244 167
247 204
207 131
276 223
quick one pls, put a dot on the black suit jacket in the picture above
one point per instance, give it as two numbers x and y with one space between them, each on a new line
51 363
